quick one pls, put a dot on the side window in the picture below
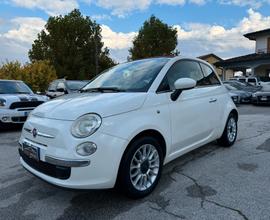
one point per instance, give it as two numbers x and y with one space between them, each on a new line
61 85
185 69
210 76
52 87
252 80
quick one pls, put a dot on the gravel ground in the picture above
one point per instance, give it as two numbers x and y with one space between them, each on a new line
208 183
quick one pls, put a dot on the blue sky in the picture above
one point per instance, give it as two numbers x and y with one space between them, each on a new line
204 26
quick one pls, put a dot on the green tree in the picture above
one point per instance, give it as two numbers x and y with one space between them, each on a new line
11 70
155 38
73 45
39 75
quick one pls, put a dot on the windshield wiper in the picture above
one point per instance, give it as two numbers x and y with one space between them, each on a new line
21 93
103 89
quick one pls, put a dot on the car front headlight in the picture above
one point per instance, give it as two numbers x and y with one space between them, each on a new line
254 95
2 102
86 125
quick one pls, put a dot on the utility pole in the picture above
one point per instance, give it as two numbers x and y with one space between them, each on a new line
96 51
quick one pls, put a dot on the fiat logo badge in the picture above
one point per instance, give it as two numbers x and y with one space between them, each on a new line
34 132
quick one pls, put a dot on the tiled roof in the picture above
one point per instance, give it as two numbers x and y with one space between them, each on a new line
210 55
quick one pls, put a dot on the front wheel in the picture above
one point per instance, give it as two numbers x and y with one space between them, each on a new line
230 132
141 167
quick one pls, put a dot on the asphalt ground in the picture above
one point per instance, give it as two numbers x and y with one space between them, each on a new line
208 183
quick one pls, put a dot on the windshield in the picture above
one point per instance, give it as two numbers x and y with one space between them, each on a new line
10 87
136 76
76 85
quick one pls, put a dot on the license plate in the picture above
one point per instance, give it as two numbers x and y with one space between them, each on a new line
264 98
31 151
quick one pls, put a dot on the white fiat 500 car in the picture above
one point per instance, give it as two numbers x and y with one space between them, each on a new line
17 100
127 123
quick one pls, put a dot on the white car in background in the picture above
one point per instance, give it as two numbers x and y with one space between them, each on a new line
17 100
127 123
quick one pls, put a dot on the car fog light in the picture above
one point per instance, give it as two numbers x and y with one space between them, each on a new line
86 149
5 119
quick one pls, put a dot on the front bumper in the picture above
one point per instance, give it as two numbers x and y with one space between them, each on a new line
13 116
261 100
97 171
245 99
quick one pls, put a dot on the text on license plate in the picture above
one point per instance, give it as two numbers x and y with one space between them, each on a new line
264 98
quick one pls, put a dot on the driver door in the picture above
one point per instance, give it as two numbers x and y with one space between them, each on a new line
190 113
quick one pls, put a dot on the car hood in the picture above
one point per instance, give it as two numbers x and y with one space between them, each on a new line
10 98
242 93
233 94
72 106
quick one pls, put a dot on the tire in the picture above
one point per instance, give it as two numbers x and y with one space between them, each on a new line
143 170
229 135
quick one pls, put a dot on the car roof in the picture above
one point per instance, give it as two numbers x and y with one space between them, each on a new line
9 80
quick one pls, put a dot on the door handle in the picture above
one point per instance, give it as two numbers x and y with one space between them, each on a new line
212 100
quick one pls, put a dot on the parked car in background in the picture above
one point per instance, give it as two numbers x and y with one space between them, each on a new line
61 87
250 80
262 96
17 100
127 123
243 86
243 96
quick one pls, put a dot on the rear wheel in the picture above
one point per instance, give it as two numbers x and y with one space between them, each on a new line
230 132
141 167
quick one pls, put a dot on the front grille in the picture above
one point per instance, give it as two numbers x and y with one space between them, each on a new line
18 119
25 104
58 172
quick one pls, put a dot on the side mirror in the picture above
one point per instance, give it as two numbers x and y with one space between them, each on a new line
181 85
185 84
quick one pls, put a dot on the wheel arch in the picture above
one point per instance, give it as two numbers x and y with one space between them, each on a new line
152 133
147 132
235 112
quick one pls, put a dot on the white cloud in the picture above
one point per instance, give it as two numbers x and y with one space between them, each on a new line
99 17
15 43
25 29
54 7
249 3
171 2
180 2
216 38
114 40
121 8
